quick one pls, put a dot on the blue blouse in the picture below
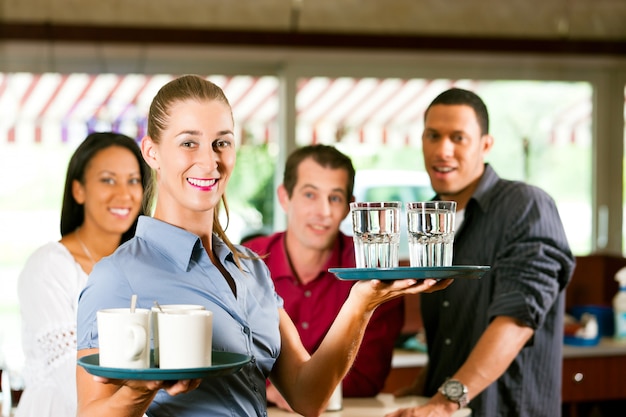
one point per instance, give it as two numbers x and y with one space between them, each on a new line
170 265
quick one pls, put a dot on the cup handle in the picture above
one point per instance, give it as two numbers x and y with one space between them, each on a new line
138 335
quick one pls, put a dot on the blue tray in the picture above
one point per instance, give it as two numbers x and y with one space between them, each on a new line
439 272
224 363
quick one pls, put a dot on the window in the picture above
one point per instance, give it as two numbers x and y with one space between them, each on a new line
542 132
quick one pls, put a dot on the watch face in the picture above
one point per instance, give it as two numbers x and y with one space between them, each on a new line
454 389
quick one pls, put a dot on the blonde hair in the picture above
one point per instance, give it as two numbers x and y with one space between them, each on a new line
188 87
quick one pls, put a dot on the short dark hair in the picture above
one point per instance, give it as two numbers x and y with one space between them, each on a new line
325 155
459 96
72 213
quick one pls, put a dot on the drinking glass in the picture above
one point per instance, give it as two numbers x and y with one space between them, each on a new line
431 232
376 233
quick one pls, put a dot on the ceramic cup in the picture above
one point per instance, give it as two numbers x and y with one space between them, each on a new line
124 338
155 322
185 339
336 400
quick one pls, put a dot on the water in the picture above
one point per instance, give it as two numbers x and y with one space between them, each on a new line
431 235
376 251
376 235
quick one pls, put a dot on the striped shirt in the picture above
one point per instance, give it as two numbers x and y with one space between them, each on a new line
515 228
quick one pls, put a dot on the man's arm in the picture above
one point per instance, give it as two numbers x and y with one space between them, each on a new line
496 349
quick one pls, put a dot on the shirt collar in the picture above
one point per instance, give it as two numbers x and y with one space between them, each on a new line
482 195
177 244
281 267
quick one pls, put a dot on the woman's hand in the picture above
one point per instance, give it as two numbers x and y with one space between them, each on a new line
378 292
99 396
148 387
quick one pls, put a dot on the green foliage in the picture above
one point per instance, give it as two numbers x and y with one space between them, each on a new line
252 183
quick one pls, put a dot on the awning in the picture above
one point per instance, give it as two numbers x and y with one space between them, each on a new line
56 107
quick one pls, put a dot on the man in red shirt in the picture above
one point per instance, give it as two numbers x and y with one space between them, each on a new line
315 195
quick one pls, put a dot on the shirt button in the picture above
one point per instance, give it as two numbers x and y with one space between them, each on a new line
246 330
447 341
307 293
305 325
446 303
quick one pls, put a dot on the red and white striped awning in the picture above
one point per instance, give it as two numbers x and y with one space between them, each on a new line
57 107
53 107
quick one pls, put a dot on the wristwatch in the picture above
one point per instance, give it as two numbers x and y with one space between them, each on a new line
455 391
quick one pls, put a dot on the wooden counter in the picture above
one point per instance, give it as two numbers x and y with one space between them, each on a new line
591 374
607 347
370 407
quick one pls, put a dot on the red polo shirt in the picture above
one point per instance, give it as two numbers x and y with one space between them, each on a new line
314 306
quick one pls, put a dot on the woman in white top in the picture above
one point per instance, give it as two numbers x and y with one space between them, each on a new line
104 188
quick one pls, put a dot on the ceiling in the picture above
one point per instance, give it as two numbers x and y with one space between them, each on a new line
546 19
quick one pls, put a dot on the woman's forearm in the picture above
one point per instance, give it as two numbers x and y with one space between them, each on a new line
321 372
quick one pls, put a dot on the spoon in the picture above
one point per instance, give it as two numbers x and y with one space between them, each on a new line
133 303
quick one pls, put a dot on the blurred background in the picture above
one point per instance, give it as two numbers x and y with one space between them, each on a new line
353 73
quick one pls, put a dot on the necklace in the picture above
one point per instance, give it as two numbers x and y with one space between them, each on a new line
85 250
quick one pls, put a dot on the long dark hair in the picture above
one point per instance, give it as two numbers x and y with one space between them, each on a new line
72 213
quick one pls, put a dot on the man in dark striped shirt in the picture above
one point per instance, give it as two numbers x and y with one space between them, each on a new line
495 342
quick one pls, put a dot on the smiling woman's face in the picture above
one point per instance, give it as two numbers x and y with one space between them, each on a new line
112 189
195 158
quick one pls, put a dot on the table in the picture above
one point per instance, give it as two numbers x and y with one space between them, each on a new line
370 407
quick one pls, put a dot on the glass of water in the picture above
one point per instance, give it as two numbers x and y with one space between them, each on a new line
431 232
376 233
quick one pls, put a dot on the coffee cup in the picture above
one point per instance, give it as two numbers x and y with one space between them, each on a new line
185 339
336 400
170 308
124 338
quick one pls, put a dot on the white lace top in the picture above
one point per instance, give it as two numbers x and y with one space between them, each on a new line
48 290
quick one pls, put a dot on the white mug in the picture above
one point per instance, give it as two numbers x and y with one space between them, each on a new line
124 338
185 339
155 322
336 400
